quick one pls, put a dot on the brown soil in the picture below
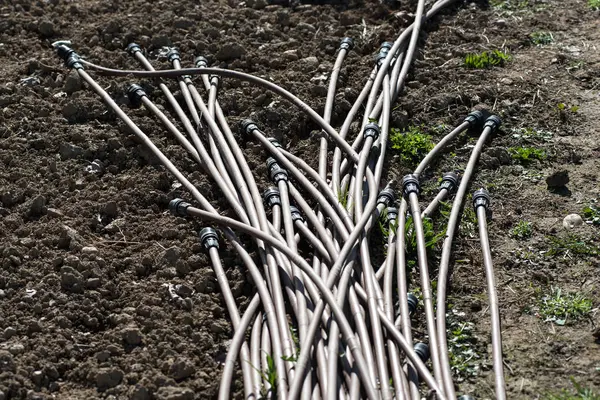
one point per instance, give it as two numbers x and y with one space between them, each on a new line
82 323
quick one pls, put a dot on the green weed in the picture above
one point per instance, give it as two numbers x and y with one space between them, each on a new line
464 359
343 197
412 144
570 245
541 38
594 4
525 155
562 107
522 230
580 393
509 4
486 59
591 213
431 238
531 135
559 308
269 375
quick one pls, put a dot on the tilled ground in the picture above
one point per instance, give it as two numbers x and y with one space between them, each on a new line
90 259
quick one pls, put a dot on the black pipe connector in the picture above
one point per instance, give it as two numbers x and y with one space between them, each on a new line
392 214
493 122
275 142
386 197
410 184
347 43
271 197
209 238
475 117
247 126
422 351
450 182
465 397
69 56
481 198
133 48
135 94
173 54
413 302
275 171
386 47
296 214
382 55
178 207
371 129
201 62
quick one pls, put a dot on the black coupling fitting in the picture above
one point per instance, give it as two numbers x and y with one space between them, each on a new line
410 184
392 214
135 94
494 122
422 351
133 48
271 197
386 47
382 55
247 126
347 43
178 207
449 182
296 214
275 142
209 238
481 198
201 62
475 118
69 56
465 397
173 54
371 129
387 197
413 302
275 171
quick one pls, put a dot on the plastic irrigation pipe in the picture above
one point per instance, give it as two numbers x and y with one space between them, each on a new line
402 286
203 155
173 57
411 189
481 203
449 184
171 73
326 295
73 62
255 348
394 355
491 124
210 241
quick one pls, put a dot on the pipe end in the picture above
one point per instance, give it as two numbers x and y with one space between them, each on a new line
247 126
133 48
392 214
347 43
387 197
275 142
494 122
173 54
209 238
422 350
450 181
371 130
410 184
386 47
271 197
481 198
135 94
296 214
201 62
413 303
178 207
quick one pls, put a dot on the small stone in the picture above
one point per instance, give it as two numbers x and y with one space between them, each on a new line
54 213
132 336
291 55
230 51
161 41
89 250
303 26
68 150
500 22
572 221
37 377
71 279
319 90
9 332
347 19
46 28
181 369
72 83
558 179
171 255
107 378
174 393
70 110
7 364
310 62
16 348
93 283
181 23
139 392
506 81
37 205
102 356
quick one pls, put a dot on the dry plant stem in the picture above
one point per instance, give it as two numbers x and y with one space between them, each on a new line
493 300
261 287
444 266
